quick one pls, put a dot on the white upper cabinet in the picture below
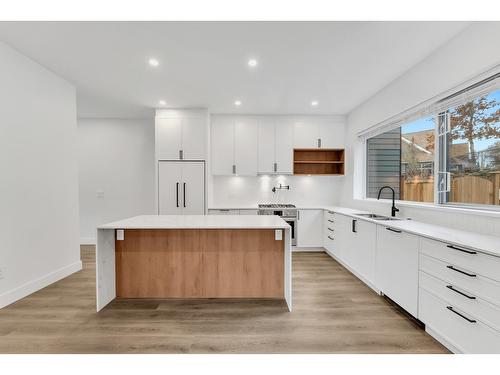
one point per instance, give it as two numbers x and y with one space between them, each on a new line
181 134
248 145
266 148
194 138
245 146
305 134
284 146
318 132
331 133
222 144
168 138
275 150
234 145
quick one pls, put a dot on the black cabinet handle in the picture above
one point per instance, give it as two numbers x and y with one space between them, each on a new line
394 230
330 238
330 221
459 292
177 194
462 250
330 229
461 315
184 193
354 226
463 272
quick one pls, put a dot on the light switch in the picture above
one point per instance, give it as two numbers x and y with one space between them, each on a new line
278 234
120 234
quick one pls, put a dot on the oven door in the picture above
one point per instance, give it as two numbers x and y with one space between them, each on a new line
292 221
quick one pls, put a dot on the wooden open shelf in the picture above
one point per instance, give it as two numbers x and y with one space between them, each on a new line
320 161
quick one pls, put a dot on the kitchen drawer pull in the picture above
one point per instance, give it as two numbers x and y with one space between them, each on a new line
330 229
354 226
394 230
462 250
461 315
330 221
459 292
330 238
463 272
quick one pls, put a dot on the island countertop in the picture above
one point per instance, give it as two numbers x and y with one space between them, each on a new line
199 222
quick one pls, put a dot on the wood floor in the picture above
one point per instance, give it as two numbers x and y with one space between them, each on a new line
333 312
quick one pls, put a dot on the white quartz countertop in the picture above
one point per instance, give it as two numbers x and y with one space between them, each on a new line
199 222
479 242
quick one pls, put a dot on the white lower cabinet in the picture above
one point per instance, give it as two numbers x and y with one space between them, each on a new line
459 296
249 212
228 211
353 242
453 289
310 228
455 326
223 211
363 248
397 267
330 229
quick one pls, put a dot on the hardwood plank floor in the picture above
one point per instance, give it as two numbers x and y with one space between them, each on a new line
334 312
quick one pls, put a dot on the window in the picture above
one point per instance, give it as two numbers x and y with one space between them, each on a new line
403 158
470 157
466 170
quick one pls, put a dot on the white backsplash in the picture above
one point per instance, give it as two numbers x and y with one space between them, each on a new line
239 191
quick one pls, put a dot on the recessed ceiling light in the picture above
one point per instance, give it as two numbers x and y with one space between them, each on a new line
252 63
314 103
153 62
162 102
237 103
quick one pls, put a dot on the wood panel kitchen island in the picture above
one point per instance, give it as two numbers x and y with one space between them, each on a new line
194 256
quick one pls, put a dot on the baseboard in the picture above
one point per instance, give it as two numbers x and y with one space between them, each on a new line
308 249
32 286
452 348
88 241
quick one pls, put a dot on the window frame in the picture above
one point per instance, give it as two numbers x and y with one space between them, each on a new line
438 202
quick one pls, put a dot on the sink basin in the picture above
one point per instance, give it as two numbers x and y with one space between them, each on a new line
377 217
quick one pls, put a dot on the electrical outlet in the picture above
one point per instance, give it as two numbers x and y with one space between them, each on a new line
120 235
278 235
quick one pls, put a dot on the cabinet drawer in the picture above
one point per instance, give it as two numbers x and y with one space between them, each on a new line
444 319
223 212
462 278
462 299
329 215
482 264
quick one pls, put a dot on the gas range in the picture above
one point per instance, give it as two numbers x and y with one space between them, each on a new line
280 209
276 205
287 212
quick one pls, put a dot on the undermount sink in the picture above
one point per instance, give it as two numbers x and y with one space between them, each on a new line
377 217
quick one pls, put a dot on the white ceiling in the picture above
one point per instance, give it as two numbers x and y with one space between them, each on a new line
204 64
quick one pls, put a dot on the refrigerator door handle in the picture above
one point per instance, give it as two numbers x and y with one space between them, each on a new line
177 193
184 193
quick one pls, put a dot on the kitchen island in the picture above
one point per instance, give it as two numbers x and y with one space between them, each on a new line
194 256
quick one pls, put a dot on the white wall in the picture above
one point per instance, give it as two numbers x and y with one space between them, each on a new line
467 55
39 180
116 171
